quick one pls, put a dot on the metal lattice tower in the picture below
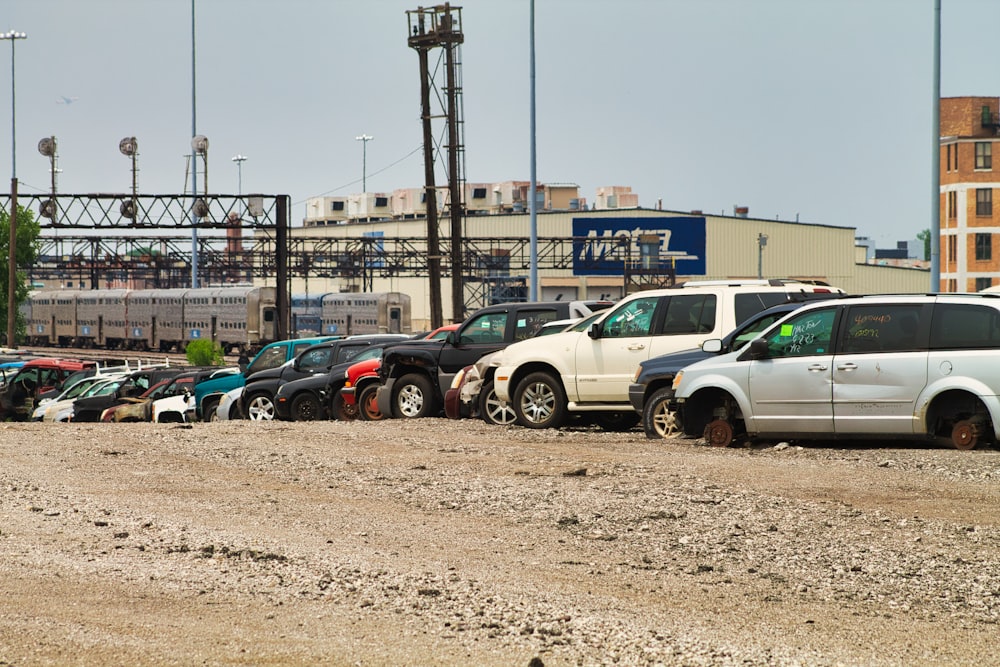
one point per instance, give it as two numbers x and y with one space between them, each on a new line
440 27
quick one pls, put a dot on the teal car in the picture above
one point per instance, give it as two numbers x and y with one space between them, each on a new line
208 394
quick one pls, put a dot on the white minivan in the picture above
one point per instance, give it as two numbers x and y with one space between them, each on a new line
901 366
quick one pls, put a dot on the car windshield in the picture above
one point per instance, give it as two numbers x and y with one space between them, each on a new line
754 328
585 323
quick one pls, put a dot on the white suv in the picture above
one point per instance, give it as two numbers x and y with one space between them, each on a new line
910 366
545 379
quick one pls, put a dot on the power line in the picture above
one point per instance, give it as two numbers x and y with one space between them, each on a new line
358 180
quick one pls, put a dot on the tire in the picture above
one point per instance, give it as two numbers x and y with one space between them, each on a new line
341 410
305 408
658 420
209 410
540 402
492 409
260 407
616 422
368 406
413 398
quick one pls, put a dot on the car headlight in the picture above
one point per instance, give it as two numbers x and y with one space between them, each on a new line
457 380
677 380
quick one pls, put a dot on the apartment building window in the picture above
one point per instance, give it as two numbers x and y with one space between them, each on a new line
479 193
948 161
984 201
336 206
984 155
984 247
952 249
983 283
952 205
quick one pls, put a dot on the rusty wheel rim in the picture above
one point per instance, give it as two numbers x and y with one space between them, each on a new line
964 435
719 433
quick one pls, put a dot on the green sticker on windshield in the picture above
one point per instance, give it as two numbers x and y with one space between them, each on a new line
786 330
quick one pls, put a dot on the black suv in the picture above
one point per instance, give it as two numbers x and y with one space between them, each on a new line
257 401
415 375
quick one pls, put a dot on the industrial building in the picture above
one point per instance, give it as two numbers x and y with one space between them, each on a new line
585 252
970 131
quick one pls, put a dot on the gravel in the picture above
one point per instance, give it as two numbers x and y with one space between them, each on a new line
453 543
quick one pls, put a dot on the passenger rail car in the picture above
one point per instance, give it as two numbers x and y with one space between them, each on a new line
350 313
238 318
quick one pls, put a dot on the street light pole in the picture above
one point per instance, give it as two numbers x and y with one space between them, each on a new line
13 36
239 160
364 139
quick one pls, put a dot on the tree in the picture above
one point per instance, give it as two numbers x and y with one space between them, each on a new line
925 236
203 352
25 254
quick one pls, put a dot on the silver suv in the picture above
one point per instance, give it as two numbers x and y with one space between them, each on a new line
920 366
546 379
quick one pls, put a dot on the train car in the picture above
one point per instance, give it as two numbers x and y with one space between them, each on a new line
238 318
53 318
307 315
155 319
100 318
351 313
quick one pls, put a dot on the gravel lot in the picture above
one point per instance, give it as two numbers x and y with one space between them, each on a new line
458 543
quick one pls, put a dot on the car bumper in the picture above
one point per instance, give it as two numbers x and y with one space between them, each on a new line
383 397
501 383
349 394
637 396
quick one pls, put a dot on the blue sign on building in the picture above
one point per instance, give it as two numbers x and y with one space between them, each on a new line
195 333
597 243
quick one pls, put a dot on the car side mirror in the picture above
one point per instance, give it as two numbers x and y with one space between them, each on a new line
757 349
712 346
594 331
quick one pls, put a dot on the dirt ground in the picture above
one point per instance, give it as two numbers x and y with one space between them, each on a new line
433 542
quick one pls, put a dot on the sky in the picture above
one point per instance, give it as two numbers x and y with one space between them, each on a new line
810 110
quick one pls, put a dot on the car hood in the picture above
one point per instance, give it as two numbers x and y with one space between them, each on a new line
675 360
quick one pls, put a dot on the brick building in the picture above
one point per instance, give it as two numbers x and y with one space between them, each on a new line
970 223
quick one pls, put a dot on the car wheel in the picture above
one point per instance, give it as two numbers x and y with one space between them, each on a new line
658 420
342 410
414 398
616 422
305 408
209 410
368 405
260 407
539 401
492 409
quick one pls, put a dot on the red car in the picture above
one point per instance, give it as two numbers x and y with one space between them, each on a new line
360 387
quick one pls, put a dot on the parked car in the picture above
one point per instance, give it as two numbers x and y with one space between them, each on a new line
176 405
910 367
229 407
62 410
208 394
90 408
318 396
415 375
472 393
35 377
138 408
547 379
70 391
651 392
360 387
257 401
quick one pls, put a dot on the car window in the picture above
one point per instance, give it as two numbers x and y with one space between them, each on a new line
319 358
348 352
484 328
964 326
271 357
881 328
805 334
748 304
584 324
690 314
754 328
530 322
632 318
369 352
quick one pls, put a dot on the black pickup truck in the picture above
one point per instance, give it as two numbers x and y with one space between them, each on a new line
415 375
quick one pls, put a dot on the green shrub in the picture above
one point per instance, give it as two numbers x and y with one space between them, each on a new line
204 353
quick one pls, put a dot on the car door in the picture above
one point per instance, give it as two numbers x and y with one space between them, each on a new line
790 390
880 368
605 364
482 334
